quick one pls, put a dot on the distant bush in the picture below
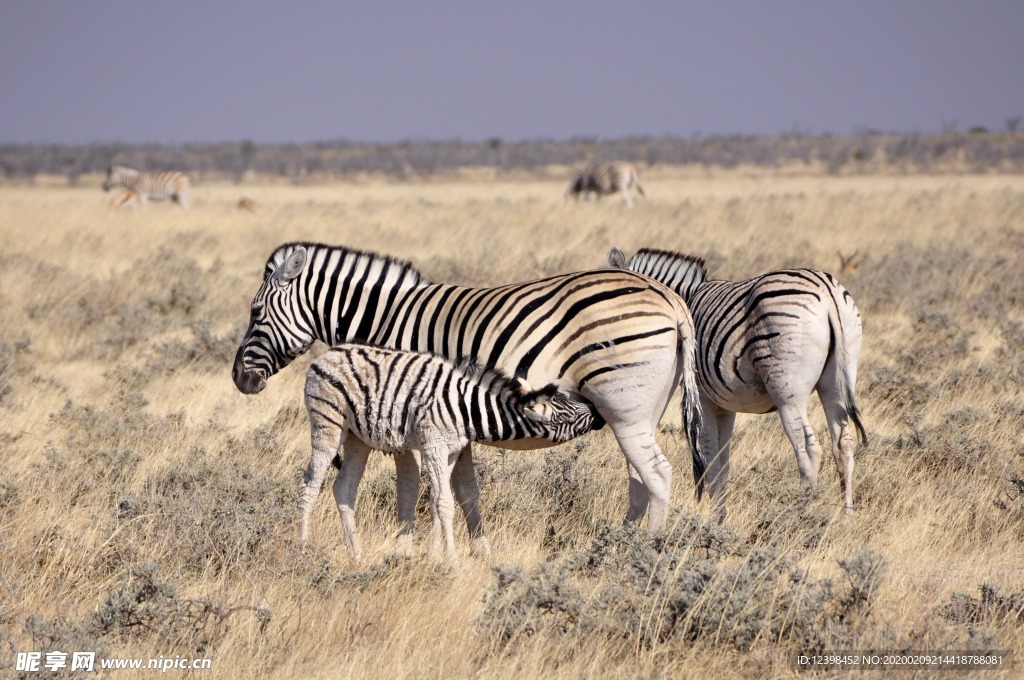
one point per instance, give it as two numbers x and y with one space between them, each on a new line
299 162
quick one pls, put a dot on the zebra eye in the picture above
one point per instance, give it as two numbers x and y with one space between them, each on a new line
257 309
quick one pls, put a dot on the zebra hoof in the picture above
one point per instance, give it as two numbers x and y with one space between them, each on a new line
480 547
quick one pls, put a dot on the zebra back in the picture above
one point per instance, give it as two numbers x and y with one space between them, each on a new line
605 178
156 185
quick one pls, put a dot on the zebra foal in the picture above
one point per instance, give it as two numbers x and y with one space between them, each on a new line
605 178
764 344
361 397
157 186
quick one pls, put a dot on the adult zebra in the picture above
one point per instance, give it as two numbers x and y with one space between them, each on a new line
149 185
764 344
618 339
360 397
606 178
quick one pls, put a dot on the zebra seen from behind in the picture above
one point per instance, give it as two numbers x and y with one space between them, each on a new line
617 339
361 397
606 178
157 186
764 344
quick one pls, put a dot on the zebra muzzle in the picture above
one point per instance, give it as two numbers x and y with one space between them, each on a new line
247 382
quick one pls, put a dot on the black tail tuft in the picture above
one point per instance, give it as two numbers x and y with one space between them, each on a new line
855 417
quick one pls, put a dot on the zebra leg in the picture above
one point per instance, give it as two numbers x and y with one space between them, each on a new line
639 499
716 441
353 463
467 493
326 439
801 436
439 461
844 443
182 199
650 474
625 197
407 479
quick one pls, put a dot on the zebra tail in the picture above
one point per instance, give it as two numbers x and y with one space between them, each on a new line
842 360
693 416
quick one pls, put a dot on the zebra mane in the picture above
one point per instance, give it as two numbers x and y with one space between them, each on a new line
278 257
676 269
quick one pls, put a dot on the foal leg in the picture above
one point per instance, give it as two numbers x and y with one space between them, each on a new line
326 437
439 461
467 493
353 463
407 478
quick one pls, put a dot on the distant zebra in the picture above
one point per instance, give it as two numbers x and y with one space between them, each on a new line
619 340
157 186
606 178
361 397
767 343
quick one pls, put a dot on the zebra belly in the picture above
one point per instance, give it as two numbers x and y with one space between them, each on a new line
522 444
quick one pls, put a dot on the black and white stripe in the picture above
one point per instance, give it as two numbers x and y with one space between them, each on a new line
361 397
157 186
615 338
606 178
764 344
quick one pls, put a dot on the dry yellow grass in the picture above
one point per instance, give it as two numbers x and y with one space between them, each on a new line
143 499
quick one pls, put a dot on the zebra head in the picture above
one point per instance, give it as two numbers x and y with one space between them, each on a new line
110 183
562 416
278 329
578 184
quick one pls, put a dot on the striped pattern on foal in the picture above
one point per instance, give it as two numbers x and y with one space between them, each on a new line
606 178
360 397
157 186
767 343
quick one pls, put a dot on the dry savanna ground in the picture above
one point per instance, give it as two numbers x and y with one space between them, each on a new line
147 508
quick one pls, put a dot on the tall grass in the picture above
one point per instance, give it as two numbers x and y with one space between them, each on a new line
147 508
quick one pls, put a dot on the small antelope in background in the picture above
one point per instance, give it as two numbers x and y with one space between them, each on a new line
848 265
247 204
126 198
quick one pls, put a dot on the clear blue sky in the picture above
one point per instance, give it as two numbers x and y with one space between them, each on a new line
292 70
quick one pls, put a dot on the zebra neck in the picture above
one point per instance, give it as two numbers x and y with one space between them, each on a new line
352 295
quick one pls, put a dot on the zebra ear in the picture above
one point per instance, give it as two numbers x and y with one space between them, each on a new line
292 266
540 410
616 258
521 385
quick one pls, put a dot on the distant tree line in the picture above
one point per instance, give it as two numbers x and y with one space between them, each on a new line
977 150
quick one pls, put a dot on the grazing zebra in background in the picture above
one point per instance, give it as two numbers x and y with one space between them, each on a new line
606 178
149 185
361 397
767 343
618 339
